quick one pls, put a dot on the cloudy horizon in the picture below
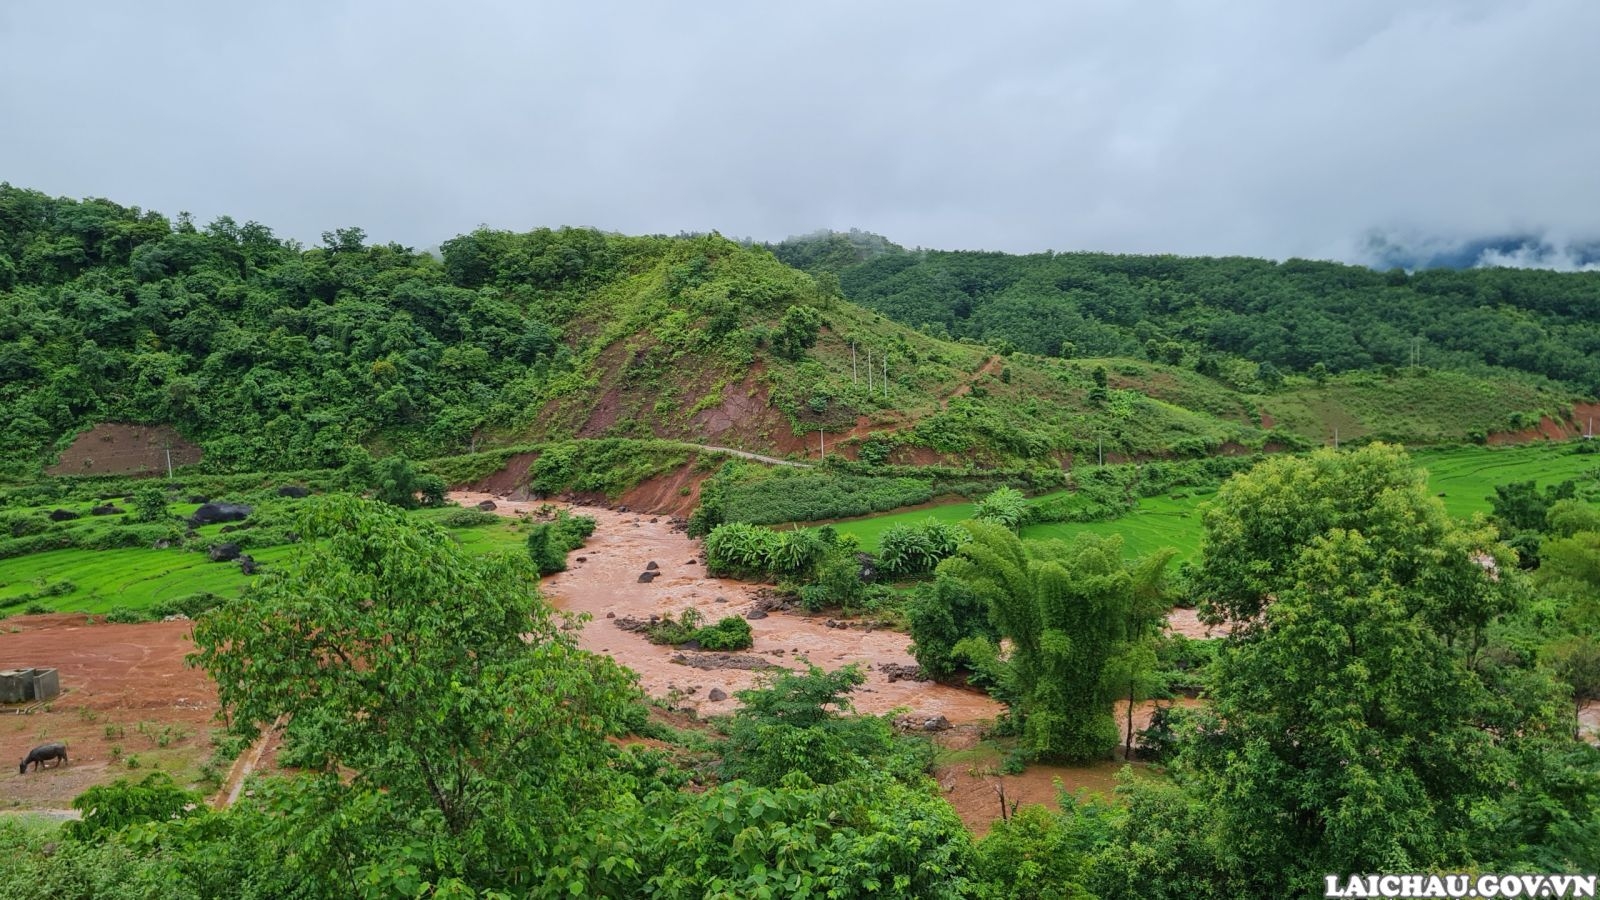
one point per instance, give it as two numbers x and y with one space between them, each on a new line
1243 128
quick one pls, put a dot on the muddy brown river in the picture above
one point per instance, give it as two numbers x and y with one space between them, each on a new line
607 582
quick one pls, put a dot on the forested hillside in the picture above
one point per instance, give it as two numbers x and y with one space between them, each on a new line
274 356
1299 315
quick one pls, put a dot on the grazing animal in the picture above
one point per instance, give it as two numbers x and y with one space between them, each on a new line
39 754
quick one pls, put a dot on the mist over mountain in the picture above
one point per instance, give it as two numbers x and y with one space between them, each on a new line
1514 250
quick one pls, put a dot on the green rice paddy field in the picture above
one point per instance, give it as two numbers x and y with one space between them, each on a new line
1464 477
138 578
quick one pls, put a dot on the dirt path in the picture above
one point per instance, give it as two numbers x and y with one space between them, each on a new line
746 454
989 367
605 584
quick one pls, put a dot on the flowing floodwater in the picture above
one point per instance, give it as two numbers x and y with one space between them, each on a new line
606 583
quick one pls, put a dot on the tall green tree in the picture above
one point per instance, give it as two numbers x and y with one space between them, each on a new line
471 726
1067 610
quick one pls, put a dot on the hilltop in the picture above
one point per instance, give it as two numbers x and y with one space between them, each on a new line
271 356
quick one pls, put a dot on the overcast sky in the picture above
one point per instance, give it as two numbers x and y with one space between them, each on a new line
1228 127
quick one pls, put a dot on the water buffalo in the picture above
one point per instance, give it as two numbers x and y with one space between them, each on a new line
39 754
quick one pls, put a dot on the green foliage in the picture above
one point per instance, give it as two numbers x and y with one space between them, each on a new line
550 542
858 838
943 615
398 483
801 722
111 807
729 633
749 551
467 715
149 503
1005 507
609 467
1073 613
1038 854
797 332
469 518
912 550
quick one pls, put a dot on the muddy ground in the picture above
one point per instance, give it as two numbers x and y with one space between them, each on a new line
127 700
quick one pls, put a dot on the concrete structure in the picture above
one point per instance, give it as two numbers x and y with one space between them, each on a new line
25 685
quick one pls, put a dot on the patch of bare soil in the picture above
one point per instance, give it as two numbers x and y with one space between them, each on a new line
123 686
673 494
603 582
1550 429
512 478
112 449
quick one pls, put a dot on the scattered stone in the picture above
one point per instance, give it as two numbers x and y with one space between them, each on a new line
161 544
717 695
611 615
247 564
921 722
720 600
622 509
488 506
902 672
293 491
654 521
582 559
175 617
62 515
692 562
647 577
755 614
651 566
223 552
227 529
777 652
110 509
212 513
721 661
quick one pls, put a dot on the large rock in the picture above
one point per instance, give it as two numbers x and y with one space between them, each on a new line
647 577
212 513
247 564
223 552
921 722
488 506
293 490
717 695
110 509
62 515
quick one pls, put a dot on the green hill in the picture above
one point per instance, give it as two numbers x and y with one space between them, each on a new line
272 356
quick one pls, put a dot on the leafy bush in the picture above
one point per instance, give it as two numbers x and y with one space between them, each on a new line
550 542
730 633
746 551
1005 507
468 518
910 550
108 808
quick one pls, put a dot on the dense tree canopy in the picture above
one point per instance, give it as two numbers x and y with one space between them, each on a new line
1295 315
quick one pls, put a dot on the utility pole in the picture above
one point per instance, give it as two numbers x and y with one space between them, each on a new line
1100 442
886 375
822 444
169 461
1335 437
869 370
852 362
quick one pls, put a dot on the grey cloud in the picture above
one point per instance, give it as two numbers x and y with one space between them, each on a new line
1242 127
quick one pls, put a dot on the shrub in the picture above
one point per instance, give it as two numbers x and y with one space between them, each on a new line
730 633
550 542
909 550
468 518
747 551
1005 507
